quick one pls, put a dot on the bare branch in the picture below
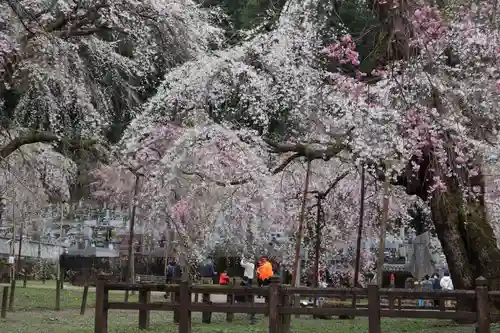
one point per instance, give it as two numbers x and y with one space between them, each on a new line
324 194
285 163
215 181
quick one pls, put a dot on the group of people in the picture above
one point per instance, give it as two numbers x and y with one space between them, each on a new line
264 273
435 282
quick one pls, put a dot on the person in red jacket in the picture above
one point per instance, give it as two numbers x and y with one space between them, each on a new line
224 279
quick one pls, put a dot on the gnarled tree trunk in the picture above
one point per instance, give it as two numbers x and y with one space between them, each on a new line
466 236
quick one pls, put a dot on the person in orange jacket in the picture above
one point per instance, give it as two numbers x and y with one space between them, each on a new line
264 271
224 279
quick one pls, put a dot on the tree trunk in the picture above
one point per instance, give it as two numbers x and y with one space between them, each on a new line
467 238
360 232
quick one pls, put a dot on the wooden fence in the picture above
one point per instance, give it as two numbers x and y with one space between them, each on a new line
279 306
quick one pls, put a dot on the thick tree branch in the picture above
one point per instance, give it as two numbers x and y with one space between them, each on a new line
83 32
305 150
30 138
44 137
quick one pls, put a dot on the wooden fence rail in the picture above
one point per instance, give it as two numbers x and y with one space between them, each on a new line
279 307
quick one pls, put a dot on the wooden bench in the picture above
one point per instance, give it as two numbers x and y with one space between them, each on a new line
147 279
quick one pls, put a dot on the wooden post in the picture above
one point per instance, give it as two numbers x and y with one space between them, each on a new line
59 270
58 295
101 307
84 298
391 301
373 309
12 292
175 296
442 304
286 319
25 279
274 300
184 308
206 317
61 278
483 306
144 318
230 300
5 293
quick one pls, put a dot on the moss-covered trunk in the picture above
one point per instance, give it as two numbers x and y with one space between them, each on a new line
466 236
460 219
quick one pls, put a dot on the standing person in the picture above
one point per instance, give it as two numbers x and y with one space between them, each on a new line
393 280
246 298
409 282
170 271
174 272
264 272
436 287
446 284
427 286
249 270
207 271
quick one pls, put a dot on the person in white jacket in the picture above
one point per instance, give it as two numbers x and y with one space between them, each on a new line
446 284
249 270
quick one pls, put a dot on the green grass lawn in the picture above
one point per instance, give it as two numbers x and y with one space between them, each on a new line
126 322
34 314
35 298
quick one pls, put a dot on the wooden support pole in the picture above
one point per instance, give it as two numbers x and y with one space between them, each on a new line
5 294
144 316
83 306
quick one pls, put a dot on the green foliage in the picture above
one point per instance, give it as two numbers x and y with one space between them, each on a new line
356 19
247 15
